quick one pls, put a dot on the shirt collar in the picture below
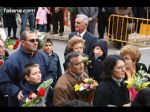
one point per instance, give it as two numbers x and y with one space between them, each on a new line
81 34
118 81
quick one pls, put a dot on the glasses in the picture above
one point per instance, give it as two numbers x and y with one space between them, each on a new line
33 40
120 68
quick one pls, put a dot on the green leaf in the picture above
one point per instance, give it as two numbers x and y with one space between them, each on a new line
46 84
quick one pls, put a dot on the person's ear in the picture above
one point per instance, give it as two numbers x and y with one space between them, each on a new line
23 42
27 77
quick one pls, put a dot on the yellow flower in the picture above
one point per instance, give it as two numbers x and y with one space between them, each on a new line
144 85
77 87
10 47
27 100
129 82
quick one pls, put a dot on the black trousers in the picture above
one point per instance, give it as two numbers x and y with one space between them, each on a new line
58 22
49 22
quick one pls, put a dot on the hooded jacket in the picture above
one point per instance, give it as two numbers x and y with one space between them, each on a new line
95 67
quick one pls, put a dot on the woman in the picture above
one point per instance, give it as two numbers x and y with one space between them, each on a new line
132 56
3 53
75 44
111 90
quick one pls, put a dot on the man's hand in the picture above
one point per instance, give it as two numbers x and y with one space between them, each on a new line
20 95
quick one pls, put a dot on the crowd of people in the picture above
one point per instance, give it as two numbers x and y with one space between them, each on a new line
23 70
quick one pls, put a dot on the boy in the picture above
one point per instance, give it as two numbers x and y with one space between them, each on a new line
53 60
30 83
100 51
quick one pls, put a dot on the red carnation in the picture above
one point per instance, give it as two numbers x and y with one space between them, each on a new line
16 44
41 92
1 62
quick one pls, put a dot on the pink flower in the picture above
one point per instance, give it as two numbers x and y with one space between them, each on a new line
133 93
87 86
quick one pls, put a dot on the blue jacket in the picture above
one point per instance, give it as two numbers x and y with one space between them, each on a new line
12 71
55 67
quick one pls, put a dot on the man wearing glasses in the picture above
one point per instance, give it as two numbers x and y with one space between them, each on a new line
12 71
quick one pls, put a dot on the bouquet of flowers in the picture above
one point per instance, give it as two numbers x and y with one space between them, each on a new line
85 89
38 98
41 36
12 44
138 81
86 60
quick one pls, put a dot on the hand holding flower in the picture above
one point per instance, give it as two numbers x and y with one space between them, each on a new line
20 95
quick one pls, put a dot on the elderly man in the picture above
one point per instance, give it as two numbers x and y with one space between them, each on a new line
81 24
12 71
92 13
64 88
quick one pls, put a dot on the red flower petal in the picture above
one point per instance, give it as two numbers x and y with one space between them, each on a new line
1 62
41 92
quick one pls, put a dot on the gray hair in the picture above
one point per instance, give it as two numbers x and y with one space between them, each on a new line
70 56
84 18
23 35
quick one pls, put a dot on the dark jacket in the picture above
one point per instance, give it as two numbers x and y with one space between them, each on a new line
109 93
27 88
55 67
149 69
9 20
142 99
139 65
95 67
89 38
12 71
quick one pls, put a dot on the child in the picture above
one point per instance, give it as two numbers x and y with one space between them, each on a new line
100 51
41 18
54 60
30 83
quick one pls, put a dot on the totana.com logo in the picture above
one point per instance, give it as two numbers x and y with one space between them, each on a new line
12 10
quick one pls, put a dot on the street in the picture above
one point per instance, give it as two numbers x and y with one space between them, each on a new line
61 41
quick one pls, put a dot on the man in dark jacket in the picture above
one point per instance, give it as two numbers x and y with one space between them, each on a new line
12 71
81 24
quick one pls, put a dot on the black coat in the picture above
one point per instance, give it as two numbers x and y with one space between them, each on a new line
95 67
109 93
138 65
9 19
149 69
